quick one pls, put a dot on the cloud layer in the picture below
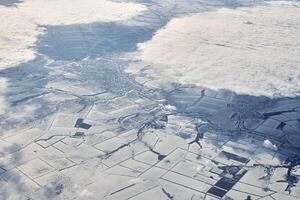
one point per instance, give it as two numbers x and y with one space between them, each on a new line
19 27
250 50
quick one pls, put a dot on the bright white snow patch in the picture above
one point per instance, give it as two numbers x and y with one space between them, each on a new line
19 27
254 50
170 107
268 144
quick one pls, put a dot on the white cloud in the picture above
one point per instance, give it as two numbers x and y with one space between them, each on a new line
250 50
268 144
19 27
170 107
